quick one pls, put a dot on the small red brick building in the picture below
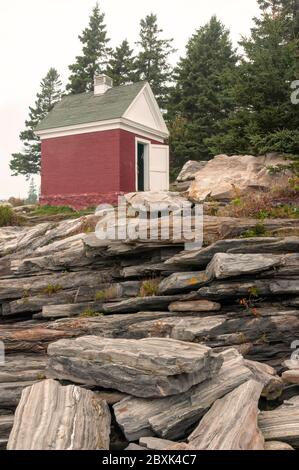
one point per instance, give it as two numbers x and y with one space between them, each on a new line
96 146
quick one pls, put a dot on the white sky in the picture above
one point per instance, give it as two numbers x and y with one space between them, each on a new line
38 34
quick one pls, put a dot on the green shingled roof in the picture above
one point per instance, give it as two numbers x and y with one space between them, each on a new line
87 107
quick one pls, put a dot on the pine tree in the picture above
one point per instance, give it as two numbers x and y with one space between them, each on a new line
153 58
95 54
32 193
201 97
122 67
264 111
28 162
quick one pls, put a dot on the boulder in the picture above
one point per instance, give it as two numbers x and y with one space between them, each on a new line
231 423
226 177
52 417
152 367
189 170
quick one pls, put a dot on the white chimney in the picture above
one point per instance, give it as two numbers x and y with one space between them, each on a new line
102 83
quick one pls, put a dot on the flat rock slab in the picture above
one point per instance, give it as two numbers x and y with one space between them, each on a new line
200 258
174 417
151 367
52 417
231 423
194 306
281 424
139 304
276 445
291 376
224 265
154 443
182 282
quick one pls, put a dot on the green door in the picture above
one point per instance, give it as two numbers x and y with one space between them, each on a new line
140 166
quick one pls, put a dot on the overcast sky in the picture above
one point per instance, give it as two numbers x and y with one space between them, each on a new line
38 34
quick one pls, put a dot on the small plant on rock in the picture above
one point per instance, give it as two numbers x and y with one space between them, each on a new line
150 287
89 313
52 289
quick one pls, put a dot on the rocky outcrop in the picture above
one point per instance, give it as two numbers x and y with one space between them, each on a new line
60 418
224 177
146 368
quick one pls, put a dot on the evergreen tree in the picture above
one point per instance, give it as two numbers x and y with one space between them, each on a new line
28 162
153 58
264 111
122 67
32 193
201 98
95 54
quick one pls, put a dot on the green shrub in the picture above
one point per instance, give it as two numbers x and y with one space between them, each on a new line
8 217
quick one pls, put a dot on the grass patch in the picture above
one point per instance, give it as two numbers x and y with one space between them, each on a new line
150 287
52 289
61 210
106 294
89 313
258 231
9 218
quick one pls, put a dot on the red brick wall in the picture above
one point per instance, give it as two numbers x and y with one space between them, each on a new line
87 169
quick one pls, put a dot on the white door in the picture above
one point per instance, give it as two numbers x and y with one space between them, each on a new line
159 168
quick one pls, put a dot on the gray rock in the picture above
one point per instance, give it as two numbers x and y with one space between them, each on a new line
189 170
52 417
224 265
152 367
139 304
173 417
231 423
182 282
155 443
194 306
281 424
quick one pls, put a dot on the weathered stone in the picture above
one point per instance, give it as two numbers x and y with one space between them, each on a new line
189 170
139 304
224 265
172 418
155 443
6 423
70 310
291 376
194 306
182 282
152 367
173 201
10 393
264 287
276 445
220 177
231 423
200 258
52 417
24 287
22 368
273 385
281 424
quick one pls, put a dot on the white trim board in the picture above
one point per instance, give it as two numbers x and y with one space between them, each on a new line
121 123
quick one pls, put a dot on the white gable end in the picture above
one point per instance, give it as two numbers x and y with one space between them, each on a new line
144 110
